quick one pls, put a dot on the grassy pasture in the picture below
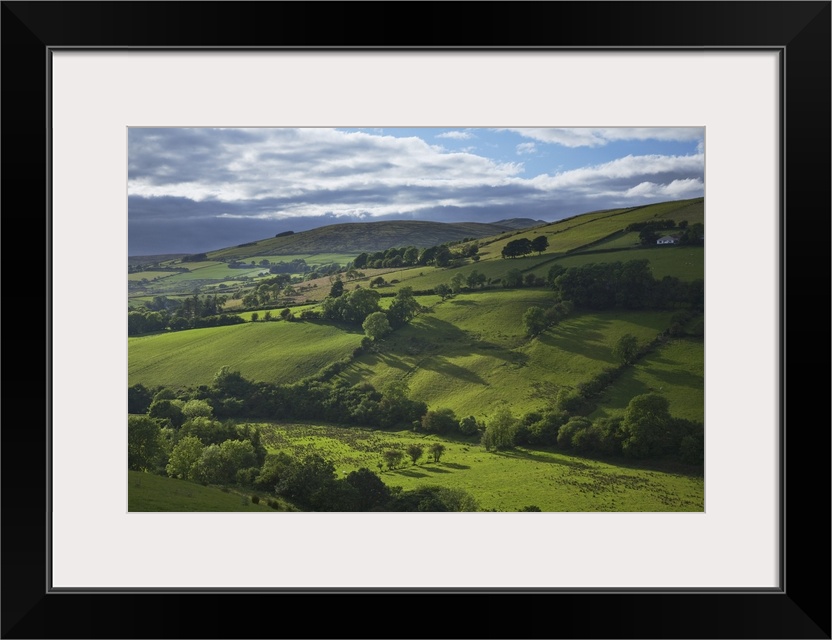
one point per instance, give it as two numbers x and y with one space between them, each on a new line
276 352
577 232
217 271
149 275
471 355
676 371
149 492
685 263
423 278
312 259
506 481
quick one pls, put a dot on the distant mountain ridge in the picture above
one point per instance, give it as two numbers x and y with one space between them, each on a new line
371 236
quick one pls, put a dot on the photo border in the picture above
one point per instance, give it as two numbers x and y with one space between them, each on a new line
800 31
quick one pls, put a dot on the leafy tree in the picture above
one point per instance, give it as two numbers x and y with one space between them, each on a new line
393 457
167 410
411 255
337 288
207 430
534 321
186 453
475 279
648 236
377 282
513 279
440 421
555 271
457 282
626 349
570 401
530 507
468 426
371 490
500 430
442 256
403 308
194 408
376 325
307 481
415 451
139 399
427 255
219 464
433 498
360 261
540 244
567 433
231 383
436 450
144 443
442 290
646 426
519 247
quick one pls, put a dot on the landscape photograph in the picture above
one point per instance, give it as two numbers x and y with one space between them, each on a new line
416 319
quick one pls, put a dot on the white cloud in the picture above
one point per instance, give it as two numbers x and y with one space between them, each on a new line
678 189
596 137
526 147
456 135
624 168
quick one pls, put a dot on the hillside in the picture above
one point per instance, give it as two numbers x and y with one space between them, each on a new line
356 237
524 345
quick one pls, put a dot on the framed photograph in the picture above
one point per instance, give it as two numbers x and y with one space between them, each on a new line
81 78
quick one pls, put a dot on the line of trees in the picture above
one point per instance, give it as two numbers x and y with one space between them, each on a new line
627 285
523 247
215 453
193 312
647 430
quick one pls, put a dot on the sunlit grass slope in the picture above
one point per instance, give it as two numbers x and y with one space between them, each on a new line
675 370
263 351
471 353
149 492
568 235
505 481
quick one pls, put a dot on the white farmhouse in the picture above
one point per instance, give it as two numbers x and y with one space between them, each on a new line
667 240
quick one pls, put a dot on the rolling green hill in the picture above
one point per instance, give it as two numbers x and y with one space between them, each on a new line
355 237
468 352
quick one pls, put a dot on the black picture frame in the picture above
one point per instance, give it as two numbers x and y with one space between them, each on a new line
800 31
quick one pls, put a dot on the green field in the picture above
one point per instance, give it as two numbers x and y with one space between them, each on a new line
149 492
262 351
685 263
577 232
471 354
505 481
468 353
675 370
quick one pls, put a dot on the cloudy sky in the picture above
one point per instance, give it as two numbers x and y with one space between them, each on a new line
193 190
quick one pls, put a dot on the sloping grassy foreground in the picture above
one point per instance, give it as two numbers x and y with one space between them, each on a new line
149 492
506 481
